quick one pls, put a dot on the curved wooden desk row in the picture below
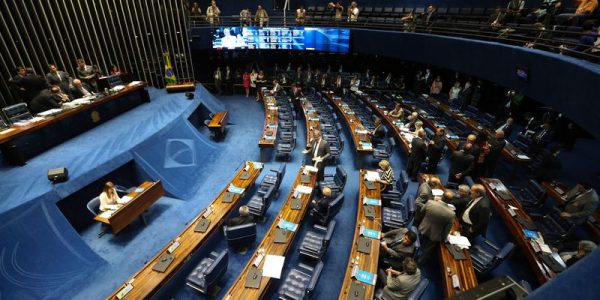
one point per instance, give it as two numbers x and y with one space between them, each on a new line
404 137
18 131
141 199
146 282
463 268
541 271
362 141
269 134
510 152
312 119
268 246
557 190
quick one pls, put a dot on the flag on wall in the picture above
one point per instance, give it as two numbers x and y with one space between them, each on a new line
169 74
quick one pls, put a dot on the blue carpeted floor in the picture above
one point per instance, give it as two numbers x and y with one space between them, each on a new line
126 253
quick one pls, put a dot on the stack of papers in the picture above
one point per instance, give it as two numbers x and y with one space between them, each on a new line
311 169
360 131
302 189
134 83
50 112
522 156
366 146
126 199
273 266
460 241
372 176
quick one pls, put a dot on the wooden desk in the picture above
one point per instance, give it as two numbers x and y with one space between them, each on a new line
140 202
187 86
239 290
366 262
269 134
353 123
557 190
542 273
34 138
312 119
449 265
396 124
146 282
218 123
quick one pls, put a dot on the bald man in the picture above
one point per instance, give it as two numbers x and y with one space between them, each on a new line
424 192
496 144
321 204
243 218
474 150
80 90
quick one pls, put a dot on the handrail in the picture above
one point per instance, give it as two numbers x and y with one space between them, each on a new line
505 34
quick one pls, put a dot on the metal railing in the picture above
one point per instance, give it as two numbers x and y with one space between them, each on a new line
553 40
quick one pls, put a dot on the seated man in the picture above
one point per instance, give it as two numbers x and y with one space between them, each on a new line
46 99
80 90
378 134
575 251
321 204
243 218
398 285
397 244
580 202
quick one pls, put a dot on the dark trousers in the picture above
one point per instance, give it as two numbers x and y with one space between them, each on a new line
427 246
413 167
432 165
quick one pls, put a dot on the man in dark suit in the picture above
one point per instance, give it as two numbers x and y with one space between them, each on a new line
378 134
461 164
32 84
243 218
435 222
475 150
79 90
580 203
461 199
550 167
318 150
47 99
542 137
87 74
507 127
320 205
476 216
410 121
397 244
430 15
418 154
425 191
16 83
56 77
434 150
496 144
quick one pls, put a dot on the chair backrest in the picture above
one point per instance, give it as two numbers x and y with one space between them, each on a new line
411 207
536 190
402 184
17 112
241 234
218 267
504 252
281 172
334 206
429 132
418 292
340 176
94 206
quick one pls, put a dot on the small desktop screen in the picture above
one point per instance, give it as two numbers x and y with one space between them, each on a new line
288 38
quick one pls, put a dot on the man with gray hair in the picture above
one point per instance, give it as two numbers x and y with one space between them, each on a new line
476 217
462 198
399 285
425 190
243 218
576 251
418 154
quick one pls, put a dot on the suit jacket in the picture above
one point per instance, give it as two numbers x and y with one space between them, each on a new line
240 220
479 216
437 219
63 82
475 149
461 162
400 287
87 71
424 193
323 151
496 147
322 203
508 129
434 151
77 93
418 150
379 133
395 248
44 101
581 206
549 168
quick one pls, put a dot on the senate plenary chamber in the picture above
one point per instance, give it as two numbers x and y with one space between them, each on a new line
299 149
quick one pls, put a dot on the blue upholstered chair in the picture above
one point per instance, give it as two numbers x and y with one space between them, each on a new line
554 228
300 282
272 179
208 272
531 196
486 255
336 181
93 207
399 214
17 112
259 203
315 242
332 209
398 190
241 235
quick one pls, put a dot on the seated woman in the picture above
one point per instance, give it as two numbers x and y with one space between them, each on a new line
398 112
418 126
109 199
386 175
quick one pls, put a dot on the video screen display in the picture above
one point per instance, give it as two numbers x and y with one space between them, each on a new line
293 38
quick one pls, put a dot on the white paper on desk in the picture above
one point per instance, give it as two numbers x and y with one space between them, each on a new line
106 214
48 113
311 169
512 207
273 266
545 248
134 83
302 189
459 240
437 192
404 129
372 176
7 131
522 156
126 199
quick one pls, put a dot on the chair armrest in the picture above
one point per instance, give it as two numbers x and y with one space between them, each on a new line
489 243
314 279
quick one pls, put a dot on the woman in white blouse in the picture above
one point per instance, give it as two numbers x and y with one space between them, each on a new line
109 199
455 91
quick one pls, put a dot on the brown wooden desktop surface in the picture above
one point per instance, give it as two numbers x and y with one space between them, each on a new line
139 203
463 268
312 120
551 187
239 290
219 120
22 130
271 119
366 262
146 282
383 113
516 229
351 120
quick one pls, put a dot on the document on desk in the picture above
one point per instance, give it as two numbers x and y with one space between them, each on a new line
106 214
366 146
257 165
234 189
126 199
311 169
273 266
522 156
302 189
459 240
372 176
